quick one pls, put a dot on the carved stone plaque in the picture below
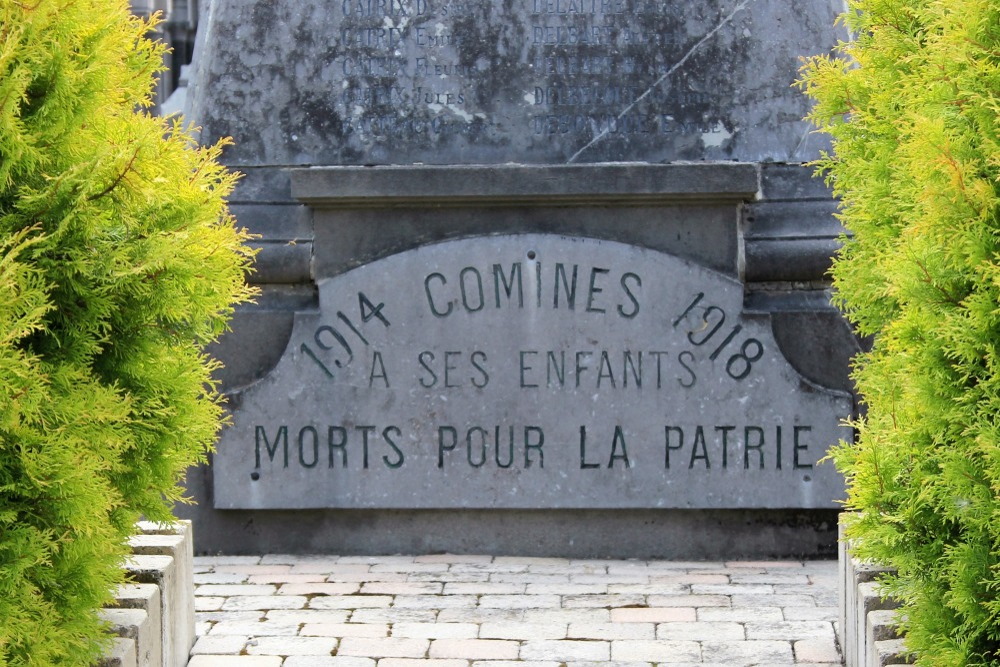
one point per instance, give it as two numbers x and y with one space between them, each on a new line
531 371
491 81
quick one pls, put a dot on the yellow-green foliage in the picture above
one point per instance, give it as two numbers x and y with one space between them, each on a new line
118 262
913 106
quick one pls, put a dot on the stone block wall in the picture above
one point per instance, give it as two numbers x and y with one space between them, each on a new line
867 623
153 617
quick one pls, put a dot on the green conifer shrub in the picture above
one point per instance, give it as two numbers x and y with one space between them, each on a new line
119 261
912 105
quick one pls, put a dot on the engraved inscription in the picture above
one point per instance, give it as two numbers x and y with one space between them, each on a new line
527 81
505 371
578 69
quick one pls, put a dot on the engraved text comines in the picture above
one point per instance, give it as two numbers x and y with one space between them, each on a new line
531 371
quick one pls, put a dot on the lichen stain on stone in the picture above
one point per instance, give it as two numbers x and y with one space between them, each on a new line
467 81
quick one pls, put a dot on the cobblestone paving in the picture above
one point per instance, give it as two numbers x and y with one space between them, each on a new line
485 611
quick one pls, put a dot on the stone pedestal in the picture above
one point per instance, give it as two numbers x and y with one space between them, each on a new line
474 216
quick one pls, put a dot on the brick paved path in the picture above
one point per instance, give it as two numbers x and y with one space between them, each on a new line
484 611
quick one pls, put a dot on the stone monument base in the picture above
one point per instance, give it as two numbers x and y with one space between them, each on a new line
645 534
409 274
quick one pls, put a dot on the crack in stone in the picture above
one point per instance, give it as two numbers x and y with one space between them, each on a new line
676 66
802 142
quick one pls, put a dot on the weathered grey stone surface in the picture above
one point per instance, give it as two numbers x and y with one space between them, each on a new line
882 624
889 652
869 599
177 546
135 624
543 186
530 371
483 81
145 597
122 653
162 571
366 213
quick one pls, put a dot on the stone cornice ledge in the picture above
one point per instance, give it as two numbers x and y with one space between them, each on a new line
516 184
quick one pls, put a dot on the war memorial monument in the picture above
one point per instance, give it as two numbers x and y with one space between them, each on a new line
543 277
